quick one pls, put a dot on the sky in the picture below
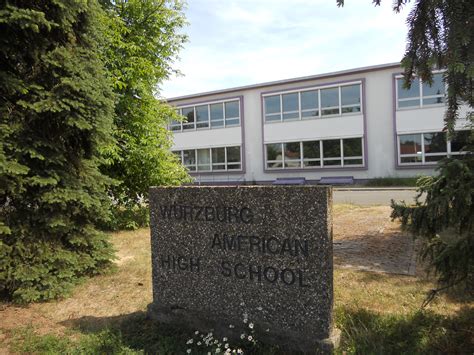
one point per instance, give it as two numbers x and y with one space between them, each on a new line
243 42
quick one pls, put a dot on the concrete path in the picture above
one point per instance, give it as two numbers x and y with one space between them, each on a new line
373 196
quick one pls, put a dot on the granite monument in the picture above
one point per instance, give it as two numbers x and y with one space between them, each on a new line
262 251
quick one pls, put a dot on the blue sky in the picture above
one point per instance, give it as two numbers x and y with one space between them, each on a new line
240 42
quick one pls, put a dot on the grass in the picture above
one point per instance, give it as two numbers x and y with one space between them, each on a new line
377 314
392 182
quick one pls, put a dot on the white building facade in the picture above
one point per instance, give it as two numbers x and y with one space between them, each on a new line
360 124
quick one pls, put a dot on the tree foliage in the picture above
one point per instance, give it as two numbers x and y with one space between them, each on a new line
56 107
142 41
440 36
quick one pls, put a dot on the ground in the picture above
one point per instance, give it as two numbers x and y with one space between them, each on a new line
372 308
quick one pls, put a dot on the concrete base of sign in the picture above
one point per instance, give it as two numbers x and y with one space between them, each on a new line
191 320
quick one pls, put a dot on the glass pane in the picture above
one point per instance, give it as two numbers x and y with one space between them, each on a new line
233 167
312 163
409 103
189 159
352 161
434 158
311 150
202 113
437 88
188 112
410 144
290 102
308 114
332 162
272 104
204 159
269 118
413 92
232 109
433 100
331 149
459 141
410 159
232 122
330 97
435 142
331 111
233 154
292 151
291 116
218 155
351 109
350 95
274 165
274 152
309 100
352 147
217 112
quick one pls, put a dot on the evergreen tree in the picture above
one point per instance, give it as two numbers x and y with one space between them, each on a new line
441 36
142 41
56 110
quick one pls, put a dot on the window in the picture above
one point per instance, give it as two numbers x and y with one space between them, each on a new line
430 147
312 154
274 155
331 152
330 101
313 103
309 104
205 116
211 159
421 94
315 154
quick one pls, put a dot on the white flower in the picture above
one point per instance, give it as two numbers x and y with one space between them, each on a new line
250 338
267 330
251 325
242 336
231 326
218 351
190 341
259 308
199 343
196 332
239 351
226 345
216 341
188 351
224 339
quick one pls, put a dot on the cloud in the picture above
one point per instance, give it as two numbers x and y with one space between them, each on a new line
234 43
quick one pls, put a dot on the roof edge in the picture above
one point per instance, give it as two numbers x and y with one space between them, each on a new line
288 81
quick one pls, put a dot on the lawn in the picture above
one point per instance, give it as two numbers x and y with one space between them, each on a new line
378 313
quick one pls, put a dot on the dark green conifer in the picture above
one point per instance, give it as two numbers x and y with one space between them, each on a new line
56 109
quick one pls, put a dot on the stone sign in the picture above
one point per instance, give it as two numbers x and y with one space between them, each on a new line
262 251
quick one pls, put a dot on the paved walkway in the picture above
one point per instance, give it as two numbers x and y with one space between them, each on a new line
373 196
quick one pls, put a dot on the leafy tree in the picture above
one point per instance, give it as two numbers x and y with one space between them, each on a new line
56 108
142 41
440 35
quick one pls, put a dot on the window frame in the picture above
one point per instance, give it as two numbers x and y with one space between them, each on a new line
319 108
420 96
180 125
211 163
448 154
321 158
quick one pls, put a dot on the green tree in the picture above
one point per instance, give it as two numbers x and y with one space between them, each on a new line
440 36
56 107
142 41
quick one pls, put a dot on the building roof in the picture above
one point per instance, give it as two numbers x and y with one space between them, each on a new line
289 81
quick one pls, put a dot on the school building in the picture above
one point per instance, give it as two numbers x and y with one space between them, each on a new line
350 125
